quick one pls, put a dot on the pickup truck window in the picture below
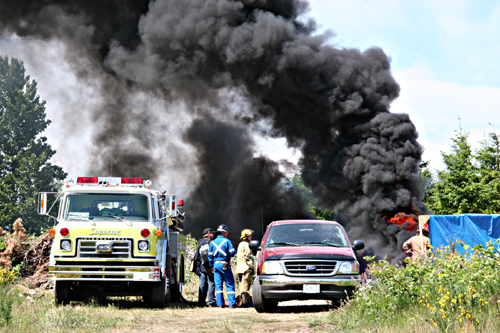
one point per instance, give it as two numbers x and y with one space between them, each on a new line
108 207
309 234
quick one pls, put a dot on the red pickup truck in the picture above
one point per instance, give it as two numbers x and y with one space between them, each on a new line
303 259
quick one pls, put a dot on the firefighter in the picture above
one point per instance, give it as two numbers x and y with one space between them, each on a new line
417 245
219 256
245 265
204 271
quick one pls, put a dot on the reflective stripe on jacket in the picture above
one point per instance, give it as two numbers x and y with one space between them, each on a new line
221 249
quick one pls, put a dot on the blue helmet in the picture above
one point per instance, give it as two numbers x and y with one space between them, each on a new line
223 228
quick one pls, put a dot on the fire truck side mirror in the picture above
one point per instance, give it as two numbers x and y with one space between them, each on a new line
42 203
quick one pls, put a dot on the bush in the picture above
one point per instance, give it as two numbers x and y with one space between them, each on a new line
450 291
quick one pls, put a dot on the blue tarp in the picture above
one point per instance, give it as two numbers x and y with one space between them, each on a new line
473 229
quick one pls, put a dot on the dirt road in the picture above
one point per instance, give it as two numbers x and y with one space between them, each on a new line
291 317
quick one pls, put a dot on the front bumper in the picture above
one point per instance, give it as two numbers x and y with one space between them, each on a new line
282 287
104 273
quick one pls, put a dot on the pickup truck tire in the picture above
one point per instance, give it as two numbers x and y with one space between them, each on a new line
156 296
62 292
260 303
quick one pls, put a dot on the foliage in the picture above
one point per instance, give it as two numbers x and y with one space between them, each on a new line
470 181
6 304
191 277
298 185
7 276
426 181
25 166
450 291
191 241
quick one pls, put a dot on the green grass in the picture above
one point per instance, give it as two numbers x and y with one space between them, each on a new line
35 314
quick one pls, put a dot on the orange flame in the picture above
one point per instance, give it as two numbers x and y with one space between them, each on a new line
402 218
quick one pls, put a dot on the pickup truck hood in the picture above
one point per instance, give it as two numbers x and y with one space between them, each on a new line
307 252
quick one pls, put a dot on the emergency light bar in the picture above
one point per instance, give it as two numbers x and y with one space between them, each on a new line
111 181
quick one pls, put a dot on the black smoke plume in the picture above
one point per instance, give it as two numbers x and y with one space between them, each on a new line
331 103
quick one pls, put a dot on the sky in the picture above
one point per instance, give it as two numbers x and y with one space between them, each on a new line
444 56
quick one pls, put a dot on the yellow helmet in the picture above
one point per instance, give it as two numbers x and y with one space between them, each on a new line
245 233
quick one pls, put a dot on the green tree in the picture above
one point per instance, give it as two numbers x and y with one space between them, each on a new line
312 206
469 183
427 181
25 167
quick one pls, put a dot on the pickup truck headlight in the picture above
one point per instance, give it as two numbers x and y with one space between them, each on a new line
272 267
349 267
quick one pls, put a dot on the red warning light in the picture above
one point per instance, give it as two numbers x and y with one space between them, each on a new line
145 233
87 180
64 232
129 180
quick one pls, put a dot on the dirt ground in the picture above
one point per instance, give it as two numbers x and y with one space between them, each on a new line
291 317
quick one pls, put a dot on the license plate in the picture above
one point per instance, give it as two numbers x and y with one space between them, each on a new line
311 288
141 276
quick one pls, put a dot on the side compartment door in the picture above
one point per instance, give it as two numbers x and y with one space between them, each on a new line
161 247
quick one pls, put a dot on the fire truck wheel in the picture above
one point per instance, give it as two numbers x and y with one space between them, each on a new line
62 291
260 303
156 296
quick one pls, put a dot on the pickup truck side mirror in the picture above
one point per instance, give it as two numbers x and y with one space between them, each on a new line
254 245
358 245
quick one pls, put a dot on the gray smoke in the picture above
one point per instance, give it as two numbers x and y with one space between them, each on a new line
332 104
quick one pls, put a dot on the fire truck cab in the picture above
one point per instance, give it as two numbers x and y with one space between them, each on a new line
115 237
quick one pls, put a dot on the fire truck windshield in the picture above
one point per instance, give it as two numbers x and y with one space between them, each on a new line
91 206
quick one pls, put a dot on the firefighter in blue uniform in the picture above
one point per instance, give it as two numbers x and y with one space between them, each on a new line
219 256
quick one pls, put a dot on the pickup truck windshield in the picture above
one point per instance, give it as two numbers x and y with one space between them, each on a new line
109 207
309 234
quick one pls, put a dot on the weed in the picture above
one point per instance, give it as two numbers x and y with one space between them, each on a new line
6 302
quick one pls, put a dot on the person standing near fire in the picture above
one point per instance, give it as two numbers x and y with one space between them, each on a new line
219 257
204 271
245 265
417 245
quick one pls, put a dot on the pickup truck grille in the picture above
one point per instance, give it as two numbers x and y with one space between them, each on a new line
121 247
311 267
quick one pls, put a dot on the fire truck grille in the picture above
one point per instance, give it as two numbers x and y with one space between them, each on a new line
311 267
120 247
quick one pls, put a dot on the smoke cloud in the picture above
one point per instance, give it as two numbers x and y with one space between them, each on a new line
231 69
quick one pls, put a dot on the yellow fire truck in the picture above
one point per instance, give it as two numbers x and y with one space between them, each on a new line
115 237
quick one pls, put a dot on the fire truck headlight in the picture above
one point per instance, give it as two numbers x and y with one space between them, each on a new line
143 245
65 245
272 267
349 267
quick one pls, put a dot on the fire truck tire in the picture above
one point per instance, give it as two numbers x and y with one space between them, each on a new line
156 296
260 303
62 292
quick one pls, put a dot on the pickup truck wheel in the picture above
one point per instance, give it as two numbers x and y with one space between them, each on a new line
156 297
260 303
61 291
